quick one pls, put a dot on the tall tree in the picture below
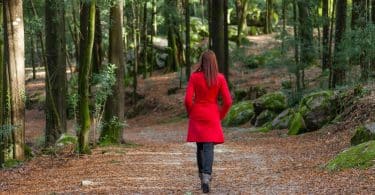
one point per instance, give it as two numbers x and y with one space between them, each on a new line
359 20
306 31
145 41
187 38
226 41
268 17
114 109
83 75
135 32
15 75
174 60
338 71
55 71
218 37
153 33
241 7
325 35
97 50
3 91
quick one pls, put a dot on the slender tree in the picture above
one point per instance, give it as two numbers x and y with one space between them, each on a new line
135 32
187 39
306 32
15 75
226 42
114 109
241 7
3 91
97 50
145 41
218 37
359 21
268 17
83 76
338 71
55 71
153 33
325 35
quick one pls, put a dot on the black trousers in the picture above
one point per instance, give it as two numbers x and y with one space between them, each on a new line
205 157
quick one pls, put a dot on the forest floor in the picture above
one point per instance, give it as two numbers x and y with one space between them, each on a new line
157 160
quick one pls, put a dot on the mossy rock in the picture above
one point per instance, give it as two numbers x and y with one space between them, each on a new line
363 134
239 114
283 119
264 117
275 102
359 156
297 124
317 109
252 93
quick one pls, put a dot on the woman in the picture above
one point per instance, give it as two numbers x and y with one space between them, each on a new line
205 113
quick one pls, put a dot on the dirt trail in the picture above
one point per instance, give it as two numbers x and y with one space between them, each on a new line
163 163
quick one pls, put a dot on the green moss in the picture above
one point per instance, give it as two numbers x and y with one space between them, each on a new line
239 114
308 101
28 152
359 156
265 128
297 124
362 135
11 163
265 117
273 101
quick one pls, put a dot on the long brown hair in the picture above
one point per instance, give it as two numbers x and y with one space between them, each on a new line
208 65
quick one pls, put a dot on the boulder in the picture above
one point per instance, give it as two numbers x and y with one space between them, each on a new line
359 156
275 102
363 133
317 109
297 124
251 93
239 114
264 117
283 119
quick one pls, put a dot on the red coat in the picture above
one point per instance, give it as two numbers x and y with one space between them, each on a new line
205 113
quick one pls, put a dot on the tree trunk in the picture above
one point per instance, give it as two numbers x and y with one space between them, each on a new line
325 52
283 32
153 33
268 17
330 44
97 50
306 33
3 92
226 42
359 16
15 62
114 108
218 36
55 71
296 47
83 76
145 57
210 27
174 60
187 38
32 52
338 76
241 6
136 48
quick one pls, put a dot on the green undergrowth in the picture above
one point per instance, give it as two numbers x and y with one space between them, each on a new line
359 156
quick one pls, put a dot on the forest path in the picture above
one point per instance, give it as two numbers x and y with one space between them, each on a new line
161 162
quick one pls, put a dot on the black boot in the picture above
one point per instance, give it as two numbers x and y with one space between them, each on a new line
206 182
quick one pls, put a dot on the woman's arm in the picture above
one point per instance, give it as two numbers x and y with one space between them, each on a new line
227 99
189 95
